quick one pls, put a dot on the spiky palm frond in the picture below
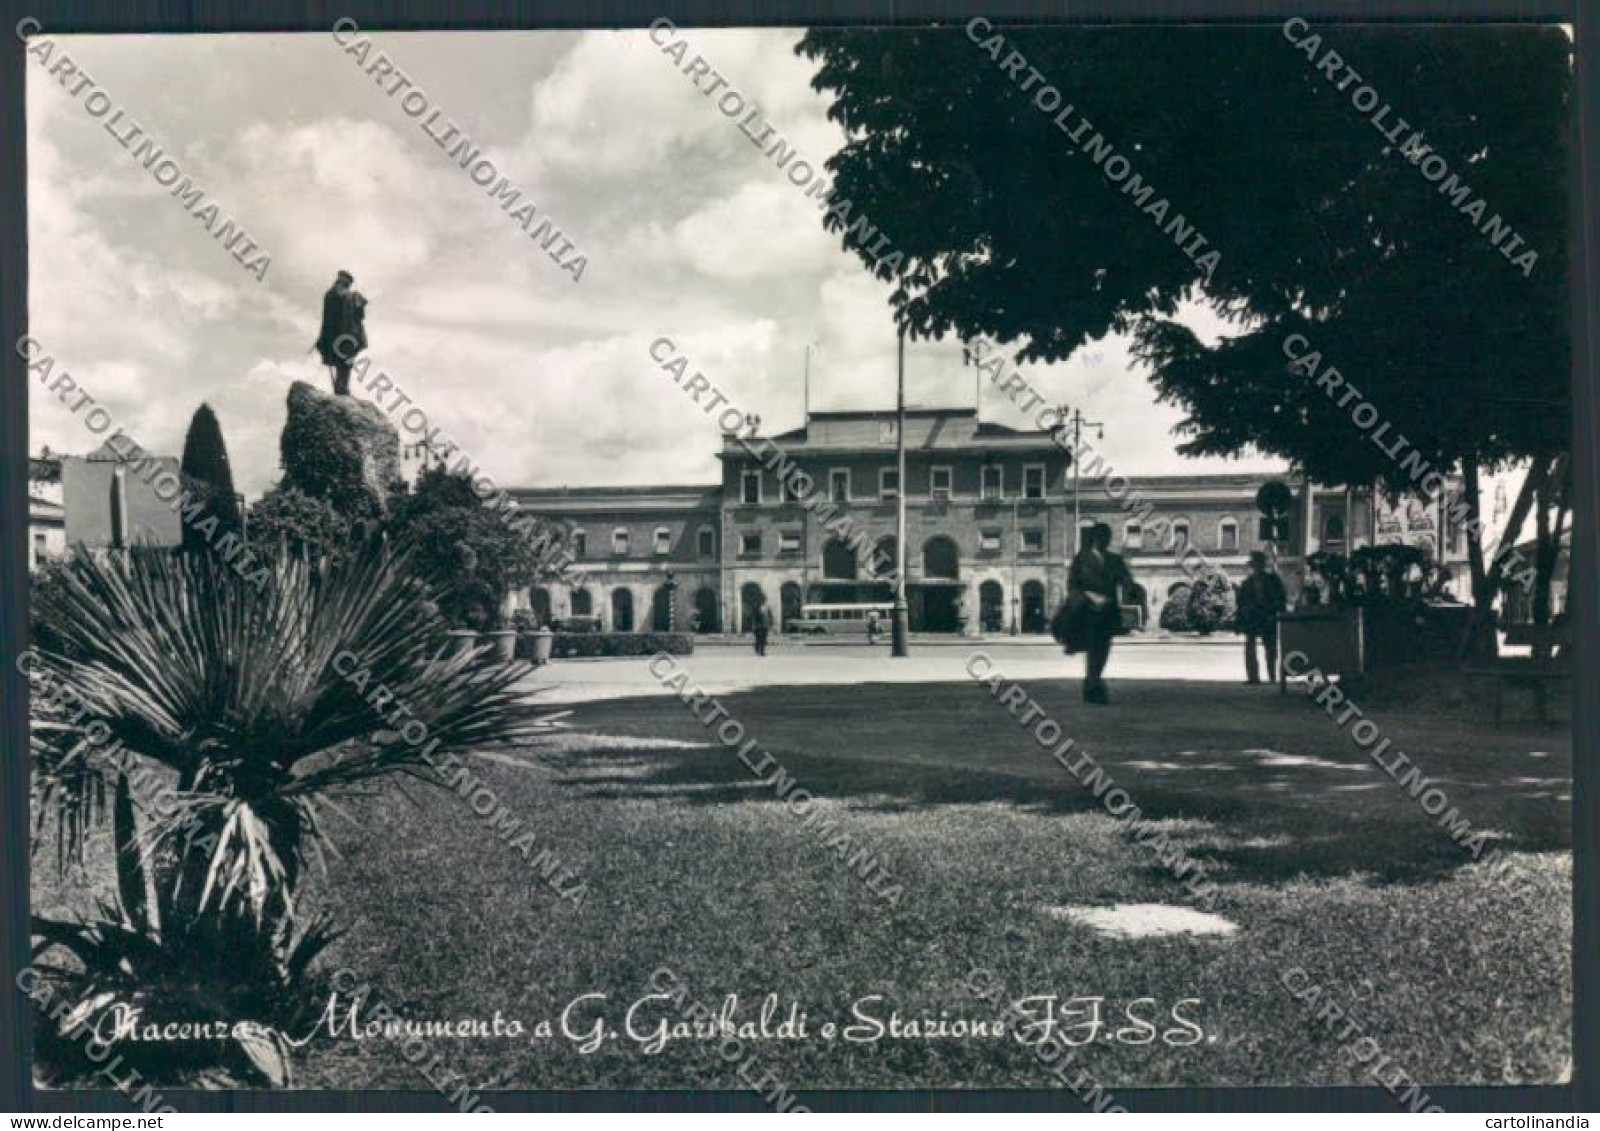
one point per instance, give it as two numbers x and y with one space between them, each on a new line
265 695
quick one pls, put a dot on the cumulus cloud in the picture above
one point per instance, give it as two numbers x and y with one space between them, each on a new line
689 229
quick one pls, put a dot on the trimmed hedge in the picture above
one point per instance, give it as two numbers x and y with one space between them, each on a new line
581 644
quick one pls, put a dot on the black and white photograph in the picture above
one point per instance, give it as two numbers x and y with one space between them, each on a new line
928 555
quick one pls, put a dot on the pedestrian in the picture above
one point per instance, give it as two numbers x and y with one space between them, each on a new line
1097 577
760 625
1261 599
872 626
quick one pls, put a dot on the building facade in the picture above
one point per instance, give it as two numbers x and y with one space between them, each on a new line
808 517
47 534
110 501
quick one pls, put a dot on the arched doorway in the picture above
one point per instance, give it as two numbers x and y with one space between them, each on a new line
621 610
991 607
707 611
661 608
539 603
838 561
1034 618
751 598
582 603
789 601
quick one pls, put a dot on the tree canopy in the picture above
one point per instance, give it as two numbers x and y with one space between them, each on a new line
1325 227
473 553
207 472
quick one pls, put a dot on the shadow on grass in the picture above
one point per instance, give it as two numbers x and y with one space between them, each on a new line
1285 790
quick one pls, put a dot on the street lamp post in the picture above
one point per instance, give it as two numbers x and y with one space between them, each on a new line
1078 425
898 627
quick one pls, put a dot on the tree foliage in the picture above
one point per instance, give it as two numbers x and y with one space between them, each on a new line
289 517
473 554
208 474
1009 230
1211 604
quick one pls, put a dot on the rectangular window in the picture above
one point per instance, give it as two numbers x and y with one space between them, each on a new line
707 543
1033 481
888 482
750 544
619 541
663 541
1133 536
939 483
788 541
994 483
750 486
1228 536
791 492
1033 541
988 540
839 484
580 545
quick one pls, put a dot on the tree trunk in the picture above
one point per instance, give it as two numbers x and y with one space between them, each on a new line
1479 640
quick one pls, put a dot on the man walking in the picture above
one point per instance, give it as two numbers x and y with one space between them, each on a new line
1098 576
1261 599
760 624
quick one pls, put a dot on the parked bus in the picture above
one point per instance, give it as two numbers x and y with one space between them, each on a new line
838 620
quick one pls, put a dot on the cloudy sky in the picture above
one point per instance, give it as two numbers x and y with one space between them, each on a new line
688 229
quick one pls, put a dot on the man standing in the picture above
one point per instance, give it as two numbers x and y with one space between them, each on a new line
1261 599
344 330
1098 575
760 624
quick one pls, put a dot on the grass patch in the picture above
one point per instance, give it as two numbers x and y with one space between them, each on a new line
691 863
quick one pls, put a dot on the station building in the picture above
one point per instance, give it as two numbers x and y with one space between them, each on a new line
990 528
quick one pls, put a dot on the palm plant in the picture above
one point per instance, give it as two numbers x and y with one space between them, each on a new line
249 707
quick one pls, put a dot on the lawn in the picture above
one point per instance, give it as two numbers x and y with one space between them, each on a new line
1323 864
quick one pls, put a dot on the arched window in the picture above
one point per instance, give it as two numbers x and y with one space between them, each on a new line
790 601
707 610
1033 614
991 607
941 558
1180 535
838 561
621 610
1227 535
751 599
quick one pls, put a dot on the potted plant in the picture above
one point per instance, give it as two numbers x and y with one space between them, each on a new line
540 637
544 642
495 633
